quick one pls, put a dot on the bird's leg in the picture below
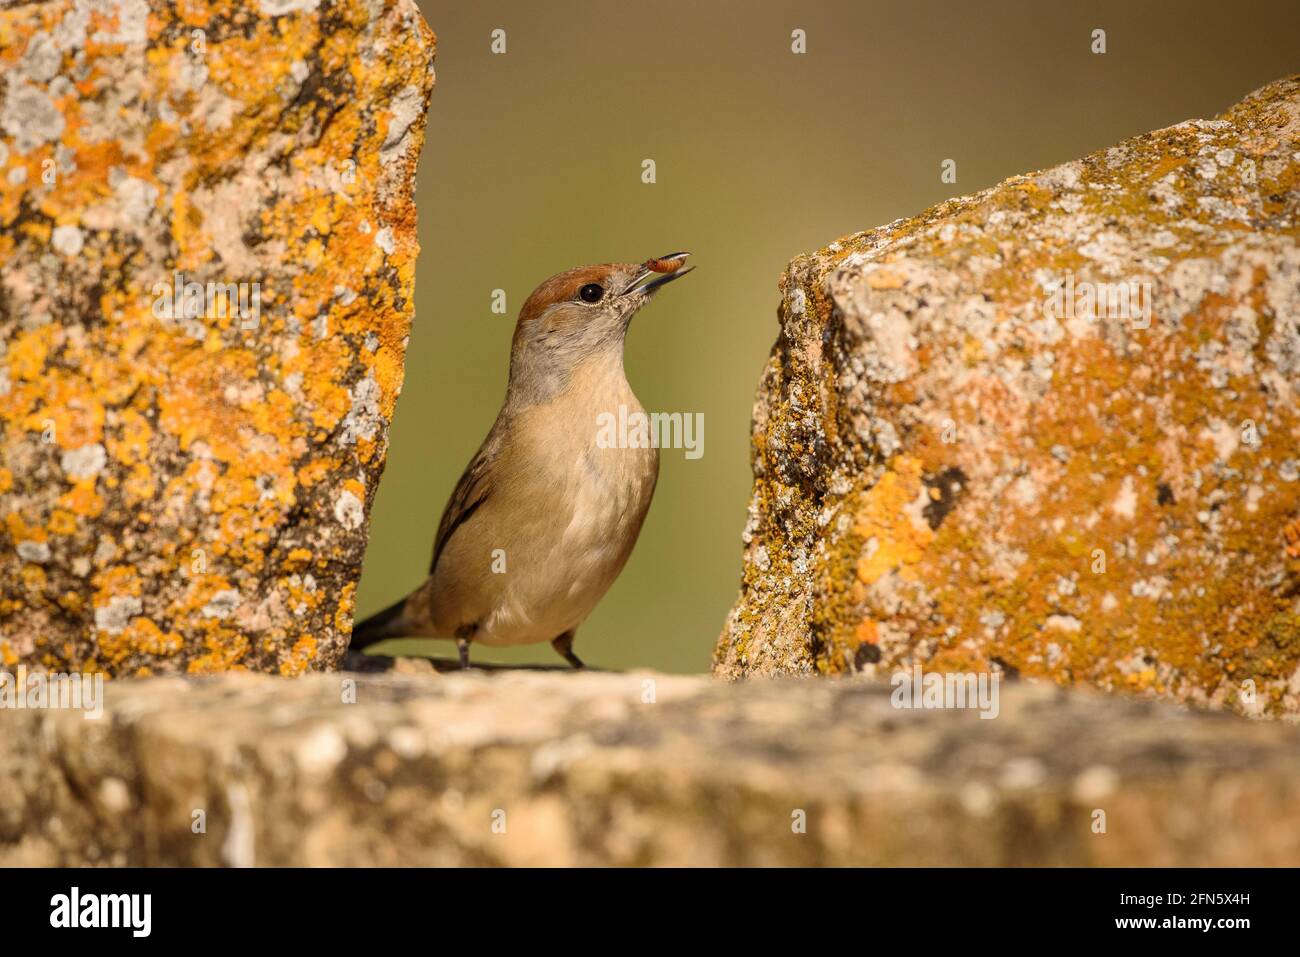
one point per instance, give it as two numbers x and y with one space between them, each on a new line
463 636
563 646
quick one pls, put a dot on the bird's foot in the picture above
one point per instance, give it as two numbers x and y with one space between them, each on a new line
564 647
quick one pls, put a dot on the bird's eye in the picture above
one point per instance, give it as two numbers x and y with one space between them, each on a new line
591 292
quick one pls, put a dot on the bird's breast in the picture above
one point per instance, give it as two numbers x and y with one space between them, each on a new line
598 459
576 497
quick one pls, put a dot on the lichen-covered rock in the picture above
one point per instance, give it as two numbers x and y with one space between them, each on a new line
207 232
641 769
1053 427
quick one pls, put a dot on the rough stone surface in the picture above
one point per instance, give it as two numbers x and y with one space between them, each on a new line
951 468
184 484
556 769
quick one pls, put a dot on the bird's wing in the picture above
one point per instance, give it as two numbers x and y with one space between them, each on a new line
473 489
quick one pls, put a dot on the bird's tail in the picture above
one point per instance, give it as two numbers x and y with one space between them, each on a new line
405 618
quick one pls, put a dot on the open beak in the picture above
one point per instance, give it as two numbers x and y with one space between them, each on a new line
667 269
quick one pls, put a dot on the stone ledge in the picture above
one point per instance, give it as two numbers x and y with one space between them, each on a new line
587 772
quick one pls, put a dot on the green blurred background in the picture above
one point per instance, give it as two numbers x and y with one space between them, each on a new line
532 164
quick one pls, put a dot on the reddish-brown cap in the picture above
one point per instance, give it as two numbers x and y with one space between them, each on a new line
565 286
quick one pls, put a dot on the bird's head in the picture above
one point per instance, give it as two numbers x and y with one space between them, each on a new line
581 314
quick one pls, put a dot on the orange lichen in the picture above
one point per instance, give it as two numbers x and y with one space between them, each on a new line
204 454
299 658
974 486
882 519
1292 535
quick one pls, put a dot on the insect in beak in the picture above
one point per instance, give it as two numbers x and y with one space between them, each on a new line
667 268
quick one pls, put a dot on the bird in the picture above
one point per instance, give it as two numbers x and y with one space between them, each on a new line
547 512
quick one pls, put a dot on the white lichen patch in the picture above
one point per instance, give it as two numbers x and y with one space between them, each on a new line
117 614
349 510
30 117
84 462
222 604
30 551
1125 504
67 240
405 109
278 8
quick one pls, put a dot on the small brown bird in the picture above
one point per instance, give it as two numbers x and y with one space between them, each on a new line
545 516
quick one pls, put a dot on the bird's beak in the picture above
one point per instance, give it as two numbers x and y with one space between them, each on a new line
666 268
